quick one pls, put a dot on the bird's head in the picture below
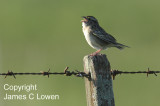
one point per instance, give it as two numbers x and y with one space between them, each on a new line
89 20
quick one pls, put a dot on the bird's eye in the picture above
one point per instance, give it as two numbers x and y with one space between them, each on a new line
88 17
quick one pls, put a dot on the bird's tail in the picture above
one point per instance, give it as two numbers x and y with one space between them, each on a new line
121 46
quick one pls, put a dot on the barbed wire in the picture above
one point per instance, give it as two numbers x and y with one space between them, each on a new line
116 72
77 73
66 72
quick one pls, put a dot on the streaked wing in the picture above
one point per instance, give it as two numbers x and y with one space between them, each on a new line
104 36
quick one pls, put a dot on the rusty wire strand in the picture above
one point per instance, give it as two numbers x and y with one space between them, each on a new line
116 72
66 72
79 73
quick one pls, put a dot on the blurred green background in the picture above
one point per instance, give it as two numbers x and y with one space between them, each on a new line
36 35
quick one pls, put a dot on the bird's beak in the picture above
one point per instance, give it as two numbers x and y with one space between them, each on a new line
84 19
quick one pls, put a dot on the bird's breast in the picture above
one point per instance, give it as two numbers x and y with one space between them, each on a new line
86 31
89 37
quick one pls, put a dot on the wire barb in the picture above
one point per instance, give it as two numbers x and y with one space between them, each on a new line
10 73
67 73
150 72
46 73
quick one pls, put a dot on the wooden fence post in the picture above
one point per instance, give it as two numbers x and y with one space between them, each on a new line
99 89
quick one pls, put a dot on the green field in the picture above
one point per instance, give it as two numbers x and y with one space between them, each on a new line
36 35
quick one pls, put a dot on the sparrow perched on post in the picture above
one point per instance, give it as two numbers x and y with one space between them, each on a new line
96 36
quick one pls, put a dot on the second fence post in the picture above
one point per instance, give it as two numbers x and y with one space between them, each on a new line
99 89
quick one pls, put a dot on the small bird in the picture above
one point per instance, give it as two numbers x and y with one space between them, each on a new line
96 36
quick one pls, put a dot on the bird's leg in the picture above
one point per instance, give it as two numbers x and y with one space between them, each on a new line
95 53
98 51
